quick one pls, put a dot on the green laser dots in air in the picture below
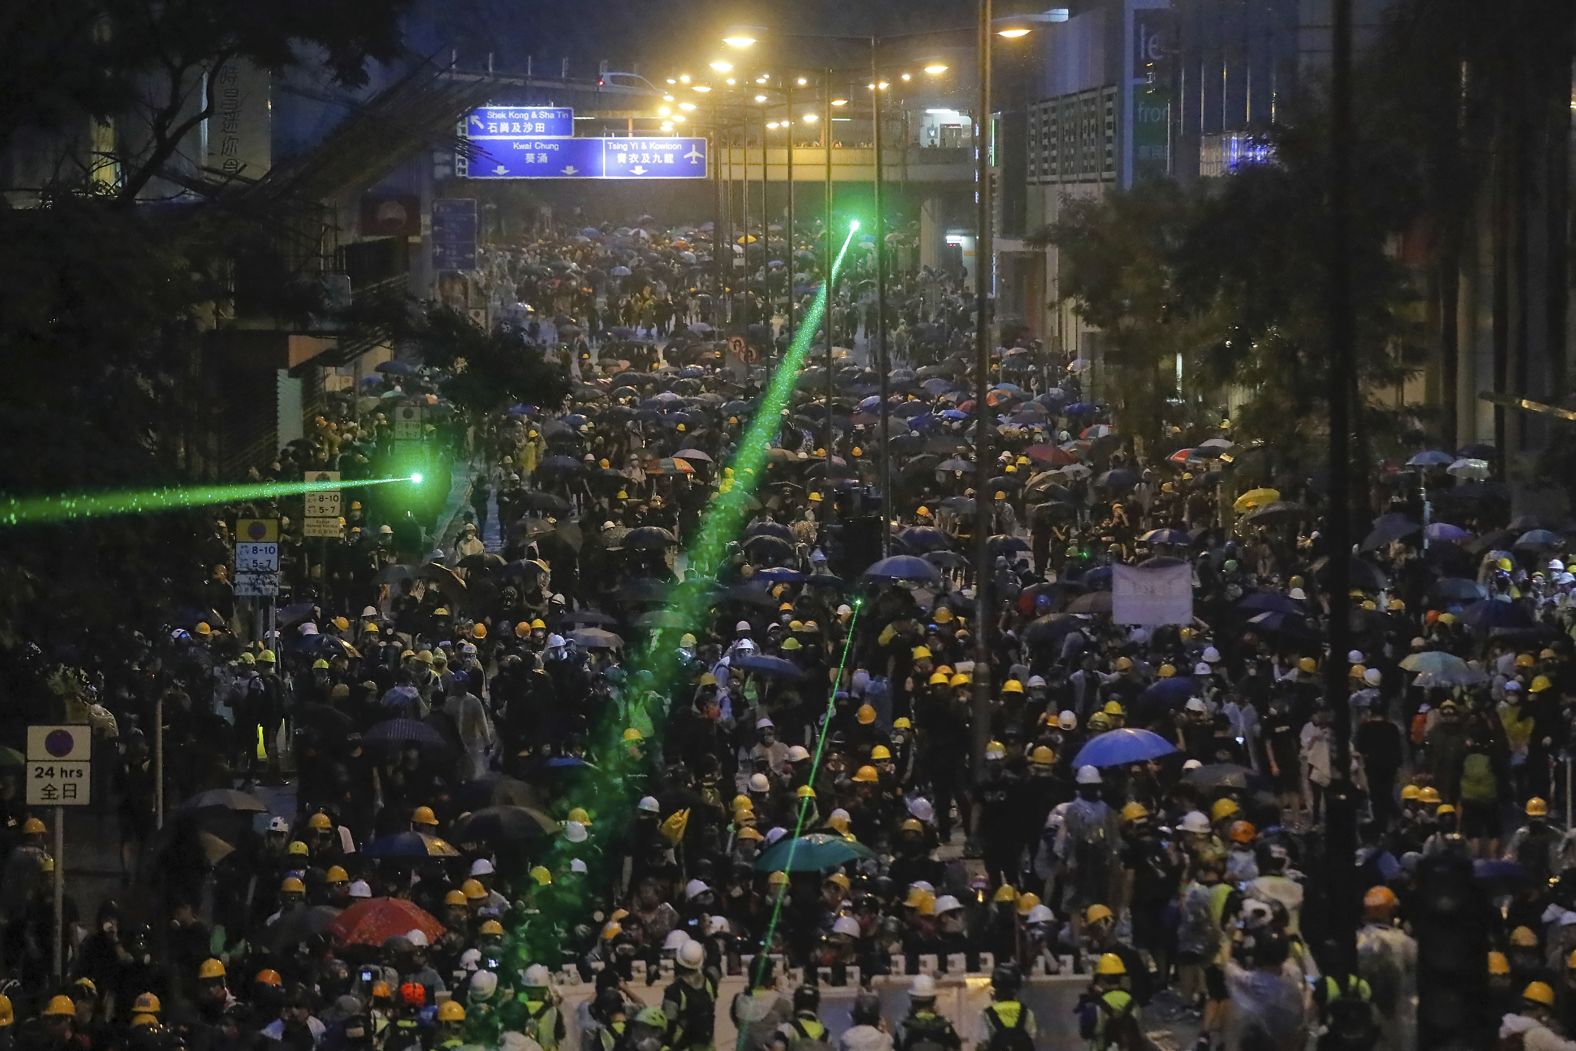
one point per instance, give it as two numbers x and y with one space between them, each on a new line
69 507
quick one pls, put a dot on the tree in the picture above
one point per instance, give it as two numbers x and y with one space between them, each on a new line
1119 258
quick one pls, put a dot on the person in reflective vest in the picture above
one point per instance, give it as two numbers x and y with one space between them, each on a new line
1008 1025
1107 1013
804 1031
923 1029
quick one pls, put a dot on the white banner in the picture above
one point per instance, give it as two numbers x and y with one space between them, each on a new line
1152 595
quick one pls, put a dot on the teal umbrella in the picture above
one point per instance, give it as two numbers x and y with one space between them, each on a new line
815 852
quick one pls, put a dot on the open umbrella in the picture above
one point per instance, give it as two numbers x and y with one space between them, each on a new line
1254 498
398 733
376 920
410 845
772 667
903 568
815 852
496 824
1495 615
1178 537
1093 602
596 639
1120 747
1214 776
226 799
650 536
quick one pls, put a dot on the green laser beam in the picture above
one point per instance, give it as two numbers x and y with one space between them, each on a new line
804 804
67 507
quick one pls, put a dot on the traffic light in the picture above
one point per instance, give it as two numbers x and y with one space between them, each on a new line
1451 918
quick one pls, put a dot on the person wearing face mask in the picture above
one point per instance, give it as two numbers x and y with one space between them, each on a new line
1536 845
1087 846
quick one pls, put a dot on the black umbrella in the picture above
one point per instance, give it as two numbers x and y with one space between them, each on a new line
502 824
536 500
226 799
649 537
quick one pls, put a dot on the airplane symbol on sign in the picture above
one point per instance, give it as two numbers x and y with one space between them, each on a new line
570 169
639 170
501 170
694 156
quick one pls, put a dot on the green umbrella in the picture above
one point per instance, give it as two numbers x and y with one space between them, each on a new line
11 757
815 852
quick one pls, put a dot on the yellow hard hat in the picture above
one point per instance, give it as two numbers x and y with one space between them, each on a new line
632 735
292 885
921 653
297 849
542 875
1537 806
423 815
903 722
743 802
1223 809
1167 670
145 1004
578 814
336 874
960 679
319 822
1000 495
921 511
473 890
778 878
1307 665
1539 684
454 897
1523 938
880 753
33 827
866 715
1504 564
478 631
1012 686
320 665
491 927
209 969
1429 796
7 1012
1027 902
451 1011
1042 755
1004 893
866 775
937 678
1110 965
792 645
804 792
1134 812
1498 964
265 657
62 1007
1113 708
1409 793
1538 993
1123 664
1097 912
1443 810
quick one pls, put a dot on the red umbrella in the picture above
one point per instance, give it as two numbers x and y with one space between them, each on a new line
376 920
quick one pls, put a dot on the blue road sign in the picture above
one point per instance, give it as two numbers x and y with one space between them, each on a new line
515 122
454 233
654 158
547 158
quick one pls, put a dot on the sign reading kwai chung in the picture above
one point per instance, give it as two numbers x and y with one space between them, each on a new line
239 130
1152 595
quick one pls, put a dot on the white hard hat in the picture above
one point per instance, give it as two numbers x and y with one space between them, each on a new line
1202 669
1089 775
537 975
742 625
471 960
797 753
764 722
1195 821
745 646
924 885
758 783
1211 655
1354 656
1372 676
695 888
278 824
995 751
417 937
482 867
578 867
839 815
483 985
1034 682
691 956
1298 594
1041 914
649 805
1066 720
361 889
574 832
1194 704
555 642
775 833
922 988
921 808
1191 764
947 903
718 925
846 925
674 940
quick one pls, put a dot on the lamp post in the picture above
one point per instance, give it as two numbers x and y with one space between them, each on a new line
826 314
984 633
881 345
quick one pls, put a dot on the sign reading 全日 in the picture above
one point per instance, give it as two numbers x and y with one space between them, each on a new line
59 765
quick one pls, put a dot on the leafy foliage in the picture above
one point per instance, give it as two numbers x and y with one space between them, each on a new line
488 371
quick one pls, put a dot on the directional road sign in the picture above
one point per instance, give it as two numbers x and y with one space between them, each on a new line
547 158
454 233
513 122
59 765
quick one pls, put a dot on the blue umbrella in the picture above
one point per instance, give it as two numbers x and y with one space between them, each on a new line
397 368
1079 408
409 845
925 538
1456 589
1167 536
1124 746
566 762
1431 458
1270 602
1098 577
903 568
772 667
1496 615
1538 538
401 732
1170 691
1118 480
1446 531
780 575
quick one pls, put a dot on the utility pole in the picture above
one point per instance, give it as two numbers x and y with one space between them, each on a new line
983 629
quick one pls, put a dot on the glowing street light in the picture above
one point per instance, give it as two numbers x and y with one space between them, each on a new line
721 65
1013 32
935 69
739 40
802 81
664 111
839 102
687 107
810 118
760 98
700 89
684 78
906 77
667 125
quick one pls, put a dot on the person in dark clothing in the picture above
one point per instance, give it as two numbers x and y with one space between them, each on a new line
1379 742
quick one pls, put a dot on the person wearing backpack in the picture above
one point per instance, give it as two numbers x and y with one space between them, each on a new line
867 1032
1007 1023
690 1000
1533 1028
1480 795
923 1029
804 1031
1108 1013
1346 1013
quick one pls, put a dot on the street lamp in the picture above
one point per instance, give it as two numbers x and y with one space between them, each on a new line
739 40
720 65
